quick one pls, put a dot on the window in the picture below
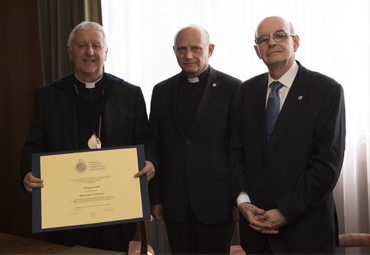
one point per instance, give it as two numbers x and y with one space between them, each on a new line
334 36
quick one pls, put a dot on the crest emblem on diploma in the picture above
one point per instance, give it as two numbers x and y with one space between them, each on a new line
81 166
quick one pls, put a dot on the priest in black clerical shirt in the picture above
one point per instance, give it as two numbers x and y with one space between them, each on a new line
190 119
88 109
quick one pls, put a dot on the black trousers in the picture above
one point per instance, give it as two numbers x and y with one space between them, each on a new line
194 237
106 238
265 250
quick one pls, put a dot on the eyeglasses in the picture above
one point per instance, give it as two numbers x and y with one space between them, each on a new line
278 37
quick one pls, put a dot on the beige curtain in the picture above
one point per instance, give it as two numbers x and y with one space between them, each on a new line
57 18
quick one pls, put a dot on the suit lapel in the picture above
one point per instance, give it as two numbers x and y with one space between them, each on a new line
110 109
296 98
109 116
69 108
209 93
172 98
258 108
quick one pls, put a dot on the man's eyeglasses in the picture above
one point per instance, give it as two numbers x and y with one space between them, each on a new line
278 37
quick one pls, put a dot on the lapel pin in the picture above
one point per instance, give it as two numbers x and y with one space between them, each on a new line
214 85
300 97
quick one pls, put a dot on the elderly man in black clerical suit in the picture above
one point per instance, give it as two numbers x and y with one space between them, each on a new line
88 109
287 150
191 115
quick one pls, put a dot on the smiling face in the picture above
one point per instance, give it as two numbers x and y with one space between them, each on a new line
276 54
192 50
88 53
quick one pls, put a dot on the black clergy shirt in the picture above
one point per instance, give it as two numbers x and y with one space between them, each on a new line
188 100
91 99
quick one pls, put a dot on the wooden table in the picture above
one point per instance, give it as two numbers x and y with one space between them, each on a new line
11 244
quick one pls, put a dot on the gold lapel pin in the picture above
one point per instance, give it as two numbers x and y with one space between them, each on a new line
300 97
214 85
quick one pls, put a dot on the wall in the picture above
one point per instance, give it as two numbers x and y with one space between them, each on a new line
20 60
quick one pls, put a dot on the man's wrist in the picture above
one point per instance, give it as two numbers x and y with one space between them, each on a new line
243 198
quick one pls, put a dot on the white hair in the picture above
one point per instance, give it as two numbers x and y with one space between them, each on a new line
84 26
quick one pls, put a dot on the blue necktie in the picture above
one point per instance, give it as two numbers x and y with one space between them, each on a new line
273 108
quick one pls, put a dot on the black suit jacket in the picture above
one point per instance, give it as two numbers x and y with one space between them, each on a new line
297 170
54 125
194 168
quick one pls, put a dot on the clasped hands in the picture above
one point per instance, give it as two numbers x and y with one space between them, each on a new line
265 222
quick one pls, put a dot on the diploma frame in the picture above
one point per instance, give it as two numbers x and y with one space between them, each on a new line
38 213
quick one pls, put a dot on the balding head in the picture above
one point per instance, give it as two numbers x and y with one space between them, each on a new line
276 45
192 50
203 32
287 24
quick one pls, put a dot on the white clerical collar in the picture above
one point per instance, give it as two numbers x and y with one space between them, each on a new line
193 80
90 85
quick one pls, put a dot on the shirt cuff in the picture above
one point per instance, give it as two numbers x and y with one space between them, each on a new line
243 198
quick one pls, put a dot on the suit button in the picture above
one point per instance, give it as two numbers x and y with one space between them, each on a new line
188 142
263 193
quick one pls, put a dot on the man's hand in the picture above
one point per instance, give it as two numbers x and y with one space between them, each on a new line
157 211
274 218
250 212
149 170
30 182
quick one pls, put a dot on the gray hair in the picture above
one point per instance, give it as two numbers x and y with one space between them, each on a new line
84 26
292 31
208 40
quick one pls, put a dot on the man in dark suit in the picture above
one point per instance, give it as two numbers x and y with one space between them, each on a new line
88 109
285 172
190 118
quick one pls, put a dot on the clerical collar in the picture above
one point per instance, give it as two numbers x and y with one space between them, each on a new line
193 80
89 85
199 78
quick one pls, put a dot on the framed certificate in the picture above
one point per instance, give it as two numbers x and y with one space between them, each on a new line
89 188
